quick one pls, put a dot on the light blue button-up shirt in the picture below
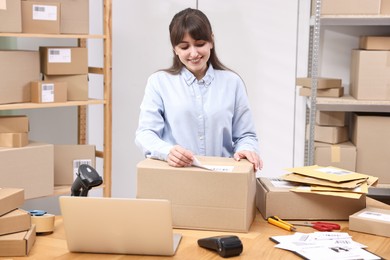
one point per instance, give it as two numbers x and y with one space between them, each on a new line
209 117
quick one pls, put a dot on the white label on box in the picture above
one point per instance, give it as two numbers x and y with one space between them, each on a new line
279 183
47 92
220 168
3 4
44 12
375 215
60 55
77 163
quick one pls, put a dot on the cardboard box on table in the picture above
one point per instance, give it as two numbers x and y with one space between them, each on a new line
29 168
276 200
15 221
202 199
17 244
372 221
10 199
10 16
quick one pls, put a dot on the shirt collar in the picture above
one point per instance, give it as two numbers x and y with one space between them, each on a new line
190 78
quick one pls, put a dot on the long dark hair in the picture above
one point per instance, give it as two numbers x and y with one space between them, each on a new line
197 25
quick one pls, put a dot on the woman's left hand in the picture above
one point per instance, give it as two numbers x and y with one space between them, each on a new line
253 157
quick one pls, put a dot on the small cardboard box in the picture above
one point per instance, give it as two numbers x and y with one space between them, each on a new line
21 68
40 17
379 43
371 136
330 92
14 124
330 118
17 244
74 16
372 221
30 168
15 221
370 75
342 155
13 139
10 16
203 199
77 85
274 199
67 159
331 134
349 7
10 199
48 92
64 60
322 83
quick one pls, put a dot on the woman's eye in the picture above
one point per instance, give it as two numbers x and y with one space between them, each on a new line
183 47
200 44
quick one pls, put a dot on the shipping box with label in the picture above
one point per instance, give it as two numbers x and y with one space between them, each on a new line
274 198
40 17
63 60
77 85
371 220
203 199
48 92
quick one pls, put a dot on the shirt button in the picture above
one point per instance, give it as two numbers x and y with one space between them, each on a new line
201 137
200 117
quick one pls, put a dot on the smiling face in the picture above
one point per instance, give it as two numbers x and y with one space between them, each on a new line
194 54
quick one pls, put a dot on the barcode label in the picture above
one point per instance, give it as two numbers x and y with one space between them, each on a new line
44 12
63 55
47 92
48 87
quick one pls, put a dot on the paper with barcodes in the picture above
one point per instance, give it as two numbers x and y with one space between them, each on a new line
44 12
77 163
375 215
47 92
59 55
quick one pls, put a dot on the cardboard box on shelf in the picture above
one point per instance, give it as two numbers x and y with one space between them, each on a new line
41 17
330 92
30 168
371 136
370 75
203 199
372 221
10 16
15 221
48 91
331 134
67 159
77 85
21 68
342 155
63 60
349 7
17 244
14 124
10 199
74 16
273 198
13 139
322 83
330 118
379 43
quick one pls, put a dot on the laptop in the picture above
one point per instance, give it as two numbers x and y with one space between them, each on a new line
119 225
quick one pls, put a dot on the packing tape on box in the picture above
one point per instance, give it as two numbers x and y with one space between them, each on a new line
44 223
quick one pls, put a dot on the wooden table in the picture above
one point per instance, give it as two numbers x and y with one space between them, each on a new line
256 243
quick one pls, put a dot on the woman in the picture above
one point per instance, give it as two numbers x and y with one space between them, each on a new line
197 106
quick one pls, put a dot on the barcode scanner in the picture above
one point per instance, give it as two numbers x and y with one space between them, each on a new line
225 246
87 178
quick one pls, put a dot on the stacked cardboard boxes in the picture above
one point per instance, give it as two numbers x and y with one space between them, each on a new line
17 233
326 87
14 131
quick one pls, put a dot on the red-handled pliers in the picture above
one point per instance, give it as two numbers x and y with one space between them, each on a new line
320 226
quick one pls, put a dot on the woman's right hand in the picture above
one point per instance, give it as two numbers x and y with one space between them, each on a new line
180 157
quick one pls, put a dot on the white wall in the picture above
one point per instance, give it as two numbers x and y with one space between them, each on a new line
258 39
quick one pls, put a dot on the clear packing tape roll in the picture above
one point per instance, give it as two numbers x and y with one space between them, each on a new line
44 223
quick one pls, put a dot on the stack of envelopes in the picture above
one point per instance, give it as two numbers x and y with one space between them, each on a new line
330 181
